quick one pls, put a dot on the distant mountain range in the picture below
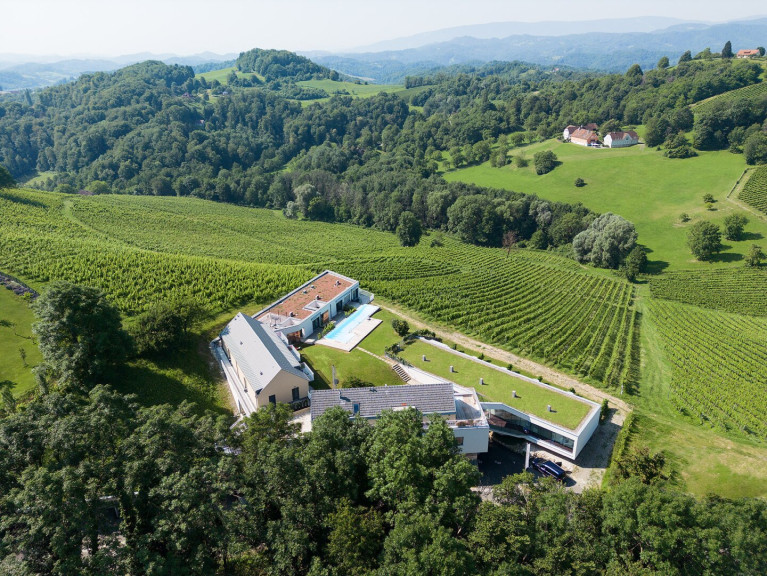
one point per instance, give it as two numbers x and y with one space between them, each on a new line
18 72
506 29
584 46
607 45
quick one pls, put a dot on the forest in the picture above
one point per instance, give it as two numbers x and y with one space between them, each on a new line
92 484
158 130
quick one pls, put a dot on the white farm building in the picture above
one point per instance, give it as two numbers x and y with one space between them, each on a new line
621 139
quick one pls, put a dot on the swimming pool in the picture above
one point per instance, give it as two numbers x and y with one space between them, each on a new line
344 330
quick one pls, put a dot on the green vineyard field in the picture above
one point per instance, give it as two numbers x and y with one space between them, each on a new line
754 193
718 365
141 249
746 93
739 290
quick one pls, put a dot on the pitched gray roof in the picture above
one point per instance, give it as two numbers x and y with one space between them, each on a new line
427 398
258 351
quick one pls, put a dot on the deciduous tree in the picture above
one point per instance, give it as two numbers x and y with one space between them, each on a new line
704 239
80 333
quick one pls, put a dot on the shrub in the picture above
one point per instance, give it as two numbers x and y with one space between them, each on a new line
329 327
401 327
580 182
544 162
604 411
704 239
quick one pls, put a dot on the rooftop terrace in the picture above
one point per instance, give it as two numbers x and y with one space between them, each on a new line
569 411
305 300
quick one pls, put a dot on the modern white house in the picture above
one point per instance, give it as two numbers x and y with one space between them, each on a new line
621 139
458 406
260 365
311 306
508 421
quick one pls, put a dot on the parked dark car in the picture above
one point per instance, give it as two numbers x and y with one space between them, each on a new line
548 468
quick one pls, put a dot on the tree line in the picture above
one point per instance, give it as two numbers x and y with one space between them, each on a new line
156 129
93 483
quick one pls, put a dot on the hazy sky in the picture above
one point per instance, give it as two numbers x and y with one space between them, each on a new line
111 27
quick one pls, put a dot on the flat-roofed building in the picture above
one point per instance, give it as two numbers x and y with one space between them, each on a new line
312 305
457 405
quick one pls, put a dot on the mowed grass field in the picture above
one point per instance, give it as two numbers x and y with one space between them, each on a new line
222 75
498 386
16 318
641 185
353 89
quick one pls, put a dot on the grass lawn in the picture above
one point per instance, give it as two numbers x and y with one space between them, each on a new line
16 319
184 376
641 185
383 336
703 462
355 363
222 75
531 398
355 90
40 178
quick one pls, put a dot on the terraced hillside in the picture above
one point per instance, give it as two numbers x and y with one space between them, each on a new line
751 92
739 290
143 249
718 362
754 192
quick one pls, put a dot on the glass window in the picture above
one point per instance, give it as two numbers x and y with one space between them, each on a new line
273 399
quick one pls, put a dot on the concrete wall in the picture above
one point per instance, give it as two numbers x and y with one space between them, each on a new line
475 438
586 432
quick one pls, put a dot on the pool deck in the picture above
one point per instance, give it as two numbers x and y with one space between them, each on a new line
357 335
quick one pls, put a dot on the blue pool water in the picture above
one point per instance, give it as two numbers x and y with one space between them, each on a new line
343 331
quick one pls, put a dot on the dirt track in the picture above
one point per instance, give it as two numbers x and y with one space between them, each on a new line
590 466
548 374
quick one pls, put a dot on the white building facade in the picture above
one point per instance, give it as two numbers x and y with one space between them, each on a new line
312 305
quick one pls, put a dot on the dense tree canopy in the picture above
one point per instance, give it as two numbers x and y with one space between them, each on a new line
704 239
80 333
6 180
345 499
606 241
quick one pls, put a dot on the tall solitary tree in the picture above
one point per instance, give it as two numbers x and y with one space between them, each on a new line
686 57
727 50
80 333
409 229
704 239
733 226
